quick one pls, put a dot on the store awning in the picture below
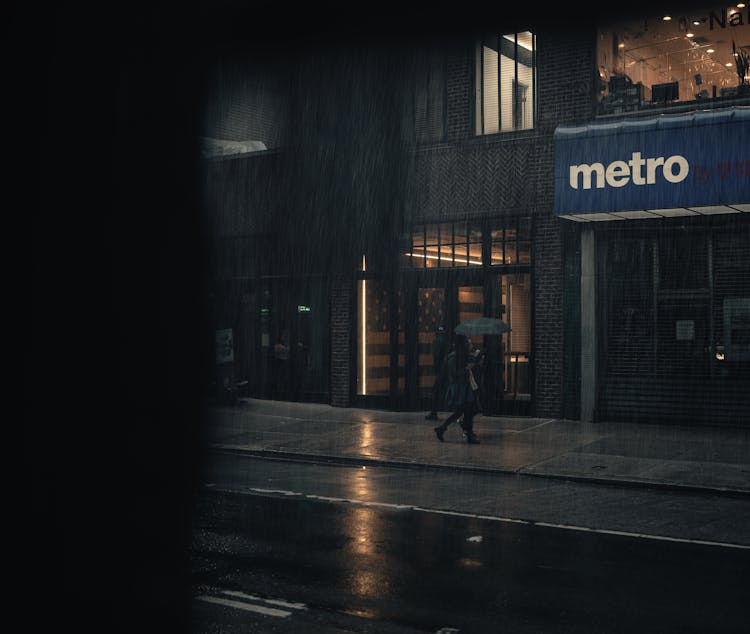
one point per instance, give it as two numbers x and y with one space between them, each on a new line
668 165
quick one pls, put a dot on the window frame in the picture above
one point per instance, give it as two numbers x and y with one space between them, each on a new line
480 123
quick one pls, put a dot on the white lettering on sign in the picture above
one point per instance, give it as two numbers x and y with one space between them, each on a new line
674 169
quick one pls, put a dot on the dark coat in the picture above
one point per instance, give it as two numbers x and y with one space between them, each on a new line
459 392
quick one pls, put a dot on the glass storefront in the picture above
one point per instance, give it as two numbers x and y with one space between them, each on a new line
282 337
450 272
373 339
674 59
431 313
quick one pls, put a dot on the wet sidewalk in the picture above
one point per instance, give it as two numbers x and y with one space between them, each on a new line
711 459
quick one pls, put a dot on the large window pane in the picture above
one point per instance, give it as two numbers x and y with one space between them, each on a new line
432 253
430 315
373 339
506 82
511 241
649 62
517 342
491 92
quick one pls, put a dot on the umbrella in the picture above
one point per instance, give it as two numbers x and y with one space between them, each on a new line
482 326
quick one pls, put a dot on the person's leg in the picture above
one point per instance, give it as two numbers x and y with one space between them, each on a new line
468 426
435 396
440 429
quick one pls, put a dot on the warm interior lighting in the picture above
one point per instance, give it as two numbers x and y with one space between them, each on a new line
446 258
710 50
741 5
667 18
689 34
364 329
728 64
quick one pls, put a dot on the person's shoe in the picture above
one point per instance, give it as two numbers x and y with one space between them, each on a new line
439 433
431 416
472 439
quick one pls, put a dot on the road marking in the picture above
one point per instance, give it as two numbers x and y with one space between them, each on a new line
510 520
252 597
279 491
249 607
520 431
585 529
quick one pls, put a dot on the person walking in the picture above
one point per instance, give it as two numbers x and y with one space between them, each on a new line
439 353
460 397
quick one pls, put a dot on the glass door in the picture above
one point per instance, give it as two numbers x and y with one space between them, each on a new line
508 384
445 302
431 313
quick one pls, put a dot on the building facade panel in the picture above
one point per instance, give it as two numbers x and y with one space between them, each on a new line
417 212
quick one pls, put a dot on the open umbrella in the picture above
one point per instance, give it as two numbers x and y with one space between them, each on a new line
482 326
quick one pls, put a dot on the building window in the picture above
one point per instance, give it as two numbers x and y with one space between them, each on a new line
460 244
373 338
693 57
444 245
511 242
505 82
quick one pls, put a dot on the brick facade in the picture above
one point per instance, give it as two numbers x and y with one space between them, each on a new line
463 176
512 174
341 345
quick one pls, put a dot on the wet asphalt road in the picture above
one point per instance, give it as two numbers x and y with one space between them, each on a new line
638 510
372 564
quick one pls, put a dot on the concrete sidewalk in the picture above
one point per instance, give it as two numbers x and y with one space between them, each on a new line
711 459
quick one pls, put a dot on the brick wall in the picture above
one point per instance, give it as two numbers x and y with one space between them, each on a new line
548 314
458 90
513 174
341 326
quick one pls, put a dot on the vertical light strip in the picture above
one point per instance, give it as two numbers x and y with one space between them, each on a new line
364 328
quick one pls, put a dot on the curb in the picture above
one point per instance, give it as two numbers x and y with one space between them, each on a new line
349 461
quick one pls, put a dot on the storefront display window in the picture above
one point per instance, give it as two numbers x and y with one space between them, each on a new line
373 338
511 242
674 59
445 245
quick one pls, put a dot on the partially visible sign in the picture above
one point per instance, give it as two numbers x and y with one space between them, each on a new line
224 346
698 159
685 330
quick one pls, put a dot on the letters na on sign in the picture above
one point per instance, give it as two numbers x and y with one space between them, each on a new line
686 160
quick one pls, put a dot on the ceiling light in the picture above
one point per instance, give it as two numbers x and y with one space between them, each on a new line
740 5
667 18
621 45
710 50
690 34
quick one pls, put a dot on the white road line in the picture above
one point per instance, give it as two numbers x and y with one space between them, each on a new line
252 597
542 424
495 518
585 529
249 607
279 491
